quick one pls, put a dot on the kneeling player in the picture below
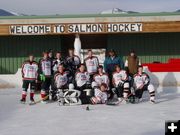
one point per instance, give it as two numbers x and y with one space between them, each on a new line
100 94
120 82
101 77
29 74
60 79
66 94
142 83
82 80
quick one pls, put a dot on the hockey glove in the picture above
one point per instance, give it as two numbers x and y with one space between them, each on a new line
42 77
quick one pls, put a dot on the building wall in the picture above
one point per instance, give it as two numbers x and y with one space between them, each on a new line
149 47
15 49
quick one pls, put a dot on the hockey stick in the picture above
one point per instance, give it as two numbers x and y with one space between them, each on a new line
38 101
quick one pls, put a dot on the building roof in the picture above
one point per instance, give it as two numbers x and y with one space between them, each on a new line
91 15
91 18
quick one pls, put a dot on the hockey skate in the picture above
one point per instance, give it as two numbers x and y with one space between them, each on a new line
23 101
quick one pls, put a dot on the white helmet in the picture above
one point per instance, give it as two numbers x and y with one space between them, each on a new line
71 86
94 84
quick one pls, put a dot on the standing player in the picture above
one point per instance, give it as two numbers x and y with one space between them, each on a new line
91 63
72 63
57 61
45 74
142 83
29 75
120 82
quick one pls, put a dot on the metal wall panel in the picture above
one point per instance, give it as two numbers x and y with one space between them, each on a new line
149 47
15 49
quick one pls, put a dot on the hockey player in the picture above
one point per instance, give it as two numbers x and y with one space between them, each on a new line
29 75
100 94
63 91
120 82
142 83
45 74
110 62
92 64
60 79
72 63
101 77
57 61
82 78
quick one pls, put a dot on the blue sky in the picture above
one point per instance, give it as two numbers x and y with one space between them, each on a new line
46 7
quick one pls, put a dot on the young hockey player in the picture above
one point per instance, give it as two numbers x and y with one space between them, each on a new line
110 62
120 82
100 94
57 61
45 74
60 79
63 91
82 78
29 75
72 63
101 77
92 64
142 83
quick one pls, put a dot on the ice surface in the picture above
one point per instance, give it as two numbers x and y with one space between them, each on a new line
51 119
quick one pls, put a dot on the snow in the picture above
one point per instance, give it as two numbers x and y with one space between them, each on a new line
50 119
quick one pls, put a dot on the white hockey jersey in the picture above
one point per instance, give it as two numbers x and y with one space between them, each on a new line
119 77
81 78
140 80
99 79
46 67
99 96
92 64
60 79
29 70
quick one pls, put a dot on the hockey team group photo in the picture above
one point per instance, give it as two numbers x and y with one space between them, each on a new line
70 81
99 67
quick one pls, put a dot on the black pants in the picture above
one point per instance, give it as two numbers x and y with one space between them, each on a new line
139 92
26 84
85 99
46 84
119 91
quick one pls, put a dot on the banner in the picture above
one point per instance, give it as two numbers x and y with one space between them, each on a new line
74 28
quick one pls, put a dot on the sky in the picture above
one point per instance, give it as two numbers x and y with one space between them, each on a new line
49 7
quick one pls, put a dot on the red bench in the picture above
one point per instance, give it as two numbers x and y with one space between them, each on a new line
173 65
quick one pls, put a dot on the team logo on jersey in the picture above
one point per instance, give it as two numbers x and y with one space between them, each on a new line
91 63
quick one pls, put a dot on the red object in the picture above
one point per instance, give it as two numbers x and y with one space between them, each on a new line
173 65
